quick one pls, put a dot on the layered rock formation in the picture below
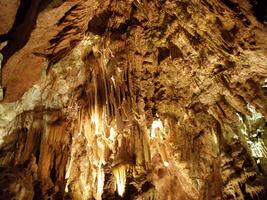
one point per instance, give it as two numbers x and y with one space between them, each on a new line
134 99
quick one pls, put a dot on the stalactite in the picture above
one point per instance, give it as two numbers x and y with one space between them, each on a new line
120 176
137 100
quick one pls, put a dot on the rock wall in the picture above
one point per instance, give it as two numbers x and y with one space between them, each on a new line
162 99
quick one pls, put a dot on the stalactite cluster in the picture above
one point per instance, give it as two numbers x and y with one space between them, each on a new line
134 99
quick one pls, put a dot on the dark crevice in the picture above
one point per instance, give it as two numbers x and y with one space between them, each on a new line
53 173
147 186
163 53
123 27
208 5
229 35
4 37
21 13
168 19
64 18
236 8
98 23
232 5
38 145
260 9
193 39
175 51
37 190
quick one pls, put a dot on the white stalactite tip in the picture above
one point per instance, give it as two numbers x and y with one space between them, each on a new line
157 124
120 176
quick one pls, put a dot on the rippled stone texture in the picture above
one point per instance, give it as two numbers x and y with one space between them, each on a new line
136 100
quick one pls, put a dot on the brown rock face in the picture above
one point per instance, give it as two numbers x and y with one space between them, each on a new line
136 99
8 13
15 184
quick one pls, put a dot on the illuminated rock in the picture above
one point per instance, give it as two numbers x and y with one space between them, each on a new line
134 100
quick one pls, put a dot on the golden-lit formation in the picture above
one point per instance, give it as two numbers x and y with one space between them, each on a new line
157 135
133 100
251 128
120 176
156 129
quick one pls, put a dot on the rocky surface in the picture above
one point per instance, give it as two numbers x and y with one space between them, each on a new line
134 99
8 14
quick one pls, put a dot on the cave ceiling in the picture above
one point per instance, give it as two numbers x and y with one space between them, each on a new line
133 99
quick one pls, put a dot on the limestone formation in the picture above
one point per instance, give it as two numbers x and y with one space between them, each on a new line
134 99
1 88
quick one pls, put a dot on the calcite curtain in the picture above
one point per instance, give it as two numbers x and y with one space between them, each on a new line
133 99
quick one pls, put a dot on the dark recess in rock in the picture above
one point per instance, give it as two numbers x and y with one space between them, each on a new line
163 53
260 9
175 51
98 24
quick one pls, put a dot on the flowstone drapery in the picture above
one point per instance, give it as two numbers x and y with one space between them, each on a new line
133 99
